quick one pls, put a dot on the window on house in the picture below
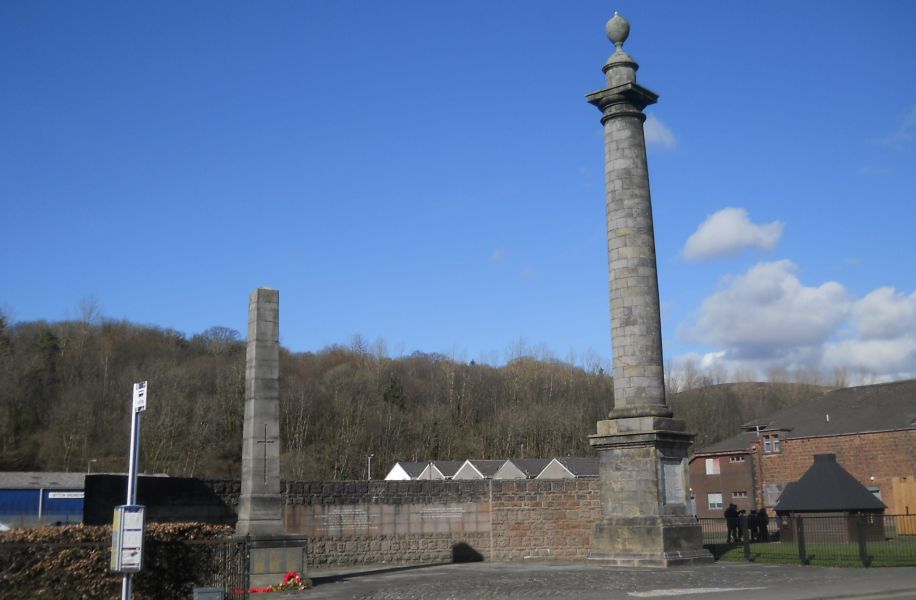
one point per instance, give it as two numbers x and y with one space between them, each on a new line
771 444
714 501
876 491
739 494
736 459
712 466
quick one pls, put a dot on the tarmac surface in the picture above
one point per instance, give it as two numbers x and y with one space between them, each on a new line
589 580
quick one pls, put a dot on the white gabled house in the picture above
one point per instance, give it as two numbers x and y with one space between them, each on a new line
440 469
569 467
478 469
521 468
404 470
566 467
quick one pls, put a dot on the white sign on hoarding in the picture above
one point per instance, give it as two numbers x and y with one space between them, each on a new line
65 495
140 390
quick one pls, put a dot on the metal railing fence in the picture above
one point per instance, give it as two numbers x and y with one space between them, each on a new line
837 540
171 569
223 563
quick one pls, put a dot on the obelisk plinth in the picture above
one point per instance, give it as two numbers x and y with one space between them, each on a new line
260 504
642 449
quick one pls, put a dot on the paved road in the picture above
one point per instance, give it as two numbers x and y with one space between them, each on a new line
591 581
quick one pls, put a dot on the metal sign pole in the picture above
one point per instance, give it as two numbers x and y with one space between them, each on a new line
139 405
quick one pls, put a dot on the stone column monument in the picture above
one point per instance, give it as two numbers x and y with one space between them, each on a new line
260 505
643 450
273 553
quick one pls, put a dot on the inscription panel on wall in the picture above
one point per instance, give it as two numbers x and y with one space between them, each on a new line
673 481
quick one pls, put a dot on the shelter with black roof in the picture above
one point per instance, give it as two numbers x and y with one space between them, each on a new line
828 490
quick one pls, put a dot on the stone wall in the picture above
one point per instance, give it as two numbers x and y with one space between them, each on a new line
397 522
379 522
543 519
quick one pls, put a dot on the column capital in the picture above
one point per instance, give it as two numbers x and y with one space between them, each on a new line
626 99
622 96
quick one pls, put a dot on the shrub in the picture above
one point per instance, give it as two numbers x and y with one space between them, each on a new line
71 562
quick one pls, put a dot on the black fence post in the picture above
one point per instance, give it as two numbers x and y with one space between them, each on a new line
247 568
800 536
860 534
746 541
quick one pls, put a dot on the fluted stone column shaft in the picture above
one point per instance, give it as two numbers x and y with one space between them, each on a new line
635 315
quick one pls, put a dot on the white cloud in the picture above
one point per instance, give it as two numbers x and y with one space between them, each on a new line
884 342
711 359
658 134
887 359
767 318
727 232
768 311
884 314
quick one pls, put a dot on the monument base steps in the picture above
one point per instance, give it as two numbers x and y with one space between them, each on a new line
662 560
648 541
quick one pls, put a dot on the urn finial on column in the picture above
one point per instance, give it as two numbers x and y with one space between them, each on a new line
618 30
620 67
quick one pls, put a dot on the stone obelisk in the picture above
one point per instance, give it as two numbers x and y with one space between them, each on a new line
643 450
261 505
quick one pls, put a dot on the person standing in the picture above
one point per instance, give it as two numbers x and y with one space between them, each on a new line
763 520
731 524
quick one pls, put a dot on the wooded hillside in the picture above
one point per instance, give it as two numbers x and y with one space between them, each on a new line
65 397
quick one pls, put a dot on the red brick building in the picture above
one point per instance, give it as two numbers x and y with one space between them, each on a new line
722 474
870 429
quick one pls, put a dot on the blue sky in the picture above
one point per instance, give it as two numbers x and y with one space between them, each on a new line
429 173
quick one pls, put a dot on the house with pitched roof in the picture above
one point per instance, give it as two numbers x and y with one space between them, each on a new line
478 469
405 470
871 430
570 467
440 469
720 475
521 468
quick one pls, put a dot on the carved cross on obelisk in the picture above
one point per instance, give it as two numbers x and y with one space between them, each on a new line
265 441
260 504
